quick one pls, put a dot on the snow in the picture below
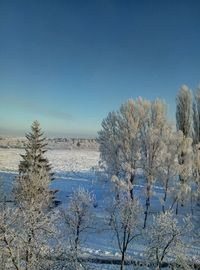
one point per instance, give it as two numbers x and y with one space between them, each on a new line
74 168
9 159
61 160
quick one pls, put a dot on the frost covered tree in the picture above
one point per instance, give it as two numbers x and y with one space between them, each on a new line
36 229
196 170
153 134
24 237
169 166
119 142
34 159
129 118
79 220
35 225
184 111
139 137
9 246
34 169
182 189
196 140
184 118
166 241
124 221
196 117
109 144
33 200
33 189
184 114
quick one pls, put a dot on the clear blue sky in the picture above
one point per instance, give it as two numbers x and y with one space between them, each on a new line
68 63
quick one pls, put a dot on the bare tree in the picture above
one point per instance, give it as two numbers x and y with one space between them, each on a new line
124 221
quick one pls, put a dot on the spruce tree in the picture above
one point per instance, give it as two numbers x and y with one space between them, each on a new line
33 159
34 170
33 198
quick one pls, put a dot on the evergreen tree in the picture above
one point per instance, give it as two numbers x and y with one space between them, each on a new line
34 170
33 159
33 199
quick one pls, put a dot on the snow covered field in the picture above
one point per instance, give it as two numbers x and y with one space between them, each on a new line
77 168
61 160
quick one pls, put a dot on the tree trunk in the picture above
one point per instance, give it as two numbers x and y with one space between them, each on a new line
122 261
165 196
175 200
117 190
131 188
177 208
28 253
191 202
181 179
147 206
76 243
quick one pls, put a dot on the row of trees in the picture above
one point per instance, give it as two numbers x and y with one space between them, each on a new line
139 136
30 233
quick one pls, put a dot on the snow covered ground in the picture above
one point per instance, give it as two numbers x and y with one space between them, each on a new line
74 168
61 160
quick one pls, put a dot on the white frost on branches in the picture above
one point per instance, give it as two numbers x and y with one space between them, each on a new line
166 240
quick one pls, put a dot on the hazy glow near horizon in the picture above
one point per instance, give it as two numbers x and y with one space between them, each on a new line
68 63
